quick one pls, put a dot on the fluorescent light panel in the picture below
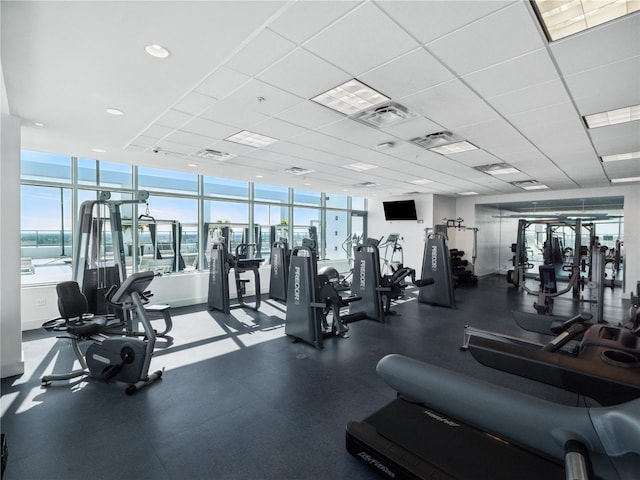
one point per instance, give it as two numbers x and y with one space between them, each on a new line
620 156
613 117
562 19
360 167
350 97
251 139
625 180
420 181
468 193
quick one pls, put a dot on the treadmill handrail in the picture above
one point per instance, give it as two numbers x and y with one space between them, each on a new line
524 420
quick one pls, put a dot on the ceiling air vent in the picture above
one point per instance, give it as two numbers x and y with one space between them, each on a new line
436 139
530 185
365 184
210 154
297 171
385 115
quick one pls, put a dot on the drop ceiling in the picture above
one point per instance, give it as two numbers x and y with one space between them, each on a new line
482 70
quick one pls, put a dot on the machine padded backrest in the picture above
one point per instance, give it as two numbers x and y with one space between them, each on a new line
71 301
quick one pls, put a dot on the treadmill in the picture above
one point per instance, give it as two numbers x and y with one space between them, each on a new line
445 425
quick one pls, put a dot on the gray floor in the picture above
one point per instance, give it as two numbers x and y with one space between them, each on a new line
238 399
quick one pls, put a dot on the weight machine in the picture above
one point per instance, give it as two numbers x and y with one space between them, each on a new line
93 270
221 262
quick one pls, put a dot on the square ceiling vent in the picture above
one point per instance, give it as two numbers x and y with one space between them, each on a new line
436 139
210 154
385 115
297 171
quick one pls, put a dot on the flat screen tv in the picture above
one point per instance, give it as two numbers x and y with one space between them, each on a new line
400 210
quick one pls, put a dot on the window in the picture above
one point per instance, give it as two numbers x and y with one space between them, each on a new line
306 197
337 236
358 203
220 187
87 171
45 236
168 234
45 167
336 201
270 193
115 175
234 215
163 234
167 181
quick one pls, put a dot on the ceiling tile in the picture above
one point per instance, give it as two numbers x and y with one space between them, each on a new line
361 40
304 19
451 104
304 74
193 103
621 80
187 138
407 74
355 132
598 46
309 115
514 74
208 128
532 98
484 41
429 20
261 51
222 82
613 139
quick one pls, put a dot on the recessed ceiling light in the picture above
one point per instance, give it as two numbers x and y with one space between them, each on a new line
350 97
497 169
564 18
307 184
192 165
620 156
359 167
157 51
98 150
114 111
625 180
251 139
259 176
39 124
457 147
420 181
613 117
468 193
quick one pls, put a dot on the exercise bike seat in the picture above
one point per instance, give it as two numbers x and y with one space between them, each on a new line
73 308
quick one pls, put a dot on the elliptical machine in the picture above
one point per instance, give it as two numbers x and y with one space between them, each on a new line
121 358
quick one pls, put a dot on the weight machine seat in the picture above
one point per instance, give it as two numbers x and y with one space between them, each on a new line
609 433
73 308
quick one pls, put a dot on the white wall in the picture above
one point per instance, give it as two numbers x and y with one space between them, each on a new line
11 361
412 233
